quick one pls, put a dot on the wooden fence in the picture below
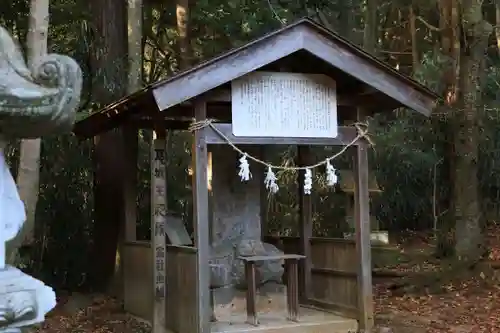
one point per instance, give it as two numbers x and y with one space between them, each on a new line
138 279
333 279
334 283
181 307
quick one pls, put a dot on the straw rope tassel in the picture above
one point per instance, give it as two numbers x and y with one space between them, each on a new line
271 180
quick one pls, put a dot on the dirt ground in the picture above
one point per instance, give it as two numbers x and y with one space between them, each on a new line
461 306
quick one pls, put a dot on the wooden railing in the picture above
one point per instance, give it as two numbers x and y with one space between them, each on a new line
333 274
181 295
333 279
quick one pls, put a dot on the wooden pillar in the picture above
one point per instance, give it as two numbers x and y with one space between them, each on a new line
305 226
201 218
130 182
158 221
363 243
264 193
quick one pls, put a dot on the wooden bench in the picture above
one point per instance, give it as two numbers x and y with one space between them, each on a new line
292 293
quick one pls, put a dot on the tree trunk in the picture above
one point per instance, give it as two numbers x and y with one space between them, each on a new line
134 83
182 13
449 25
415 60
28 175
497 23
135 45
109 63
469 235
370 33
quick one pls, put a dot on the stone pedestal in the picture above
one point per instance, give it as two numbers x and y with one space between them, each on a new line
24 300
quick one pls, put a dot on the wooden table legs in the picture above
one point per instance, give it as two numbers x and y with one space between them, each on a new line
292 290
251 293
292 293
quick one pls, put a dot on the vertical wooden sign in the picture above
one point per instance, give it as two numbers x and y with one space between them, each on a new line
158 221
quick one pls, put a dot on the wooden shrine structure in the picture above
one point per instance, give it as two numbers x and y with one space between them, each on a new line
329 284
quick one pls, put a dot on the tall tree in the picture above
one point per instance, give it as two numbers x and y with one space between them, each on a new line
134 83
370 33
449 27
109 66
464 39
182 14
29 161
476 31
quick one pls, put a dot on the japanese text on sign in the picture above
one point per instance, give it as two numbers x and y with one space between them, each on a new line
268 104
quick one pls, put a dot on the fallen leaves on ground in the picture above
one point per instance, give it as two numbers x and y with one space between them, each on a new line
104 315
463 306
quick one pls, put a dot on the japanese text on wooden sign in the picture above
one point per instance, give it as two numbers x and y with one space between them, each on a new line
269 104
159 207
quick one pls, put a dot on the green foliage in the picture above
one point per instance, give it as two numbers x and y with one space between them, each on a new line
408 146
64 211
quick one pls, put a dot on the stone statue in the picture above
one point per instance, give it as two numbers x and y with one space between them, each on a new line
34 102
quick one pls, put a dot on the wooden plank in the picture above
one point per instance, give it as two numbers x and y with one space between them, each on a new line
169 124
270 48
158 220
176 231
367 71
138 243
345 135
363 243
251 293
181 248
272 257
264 195
130 182
341 309
238 63
181 280
201 218
138 276
224 95
292 292
333 272
305 229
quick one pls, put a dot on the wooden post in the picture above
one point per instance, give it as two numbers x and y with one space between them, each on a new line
251 293
264 204
305 228
363 243
130 182
158 221
201 218
292 297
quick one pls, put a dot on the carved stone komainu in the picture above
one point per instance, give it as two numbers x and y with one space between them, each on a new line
40 100
34 101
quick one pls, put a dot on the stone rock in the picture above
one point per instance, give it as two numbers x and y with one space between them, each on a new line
236 227
220 262
272 288
266 271
223 295
227 270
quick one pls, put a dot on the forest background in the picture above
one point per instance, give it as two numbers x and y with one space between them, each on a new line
437 175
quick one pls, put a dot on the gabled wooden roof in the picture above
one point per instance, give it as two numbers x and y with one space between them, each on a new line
303 46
